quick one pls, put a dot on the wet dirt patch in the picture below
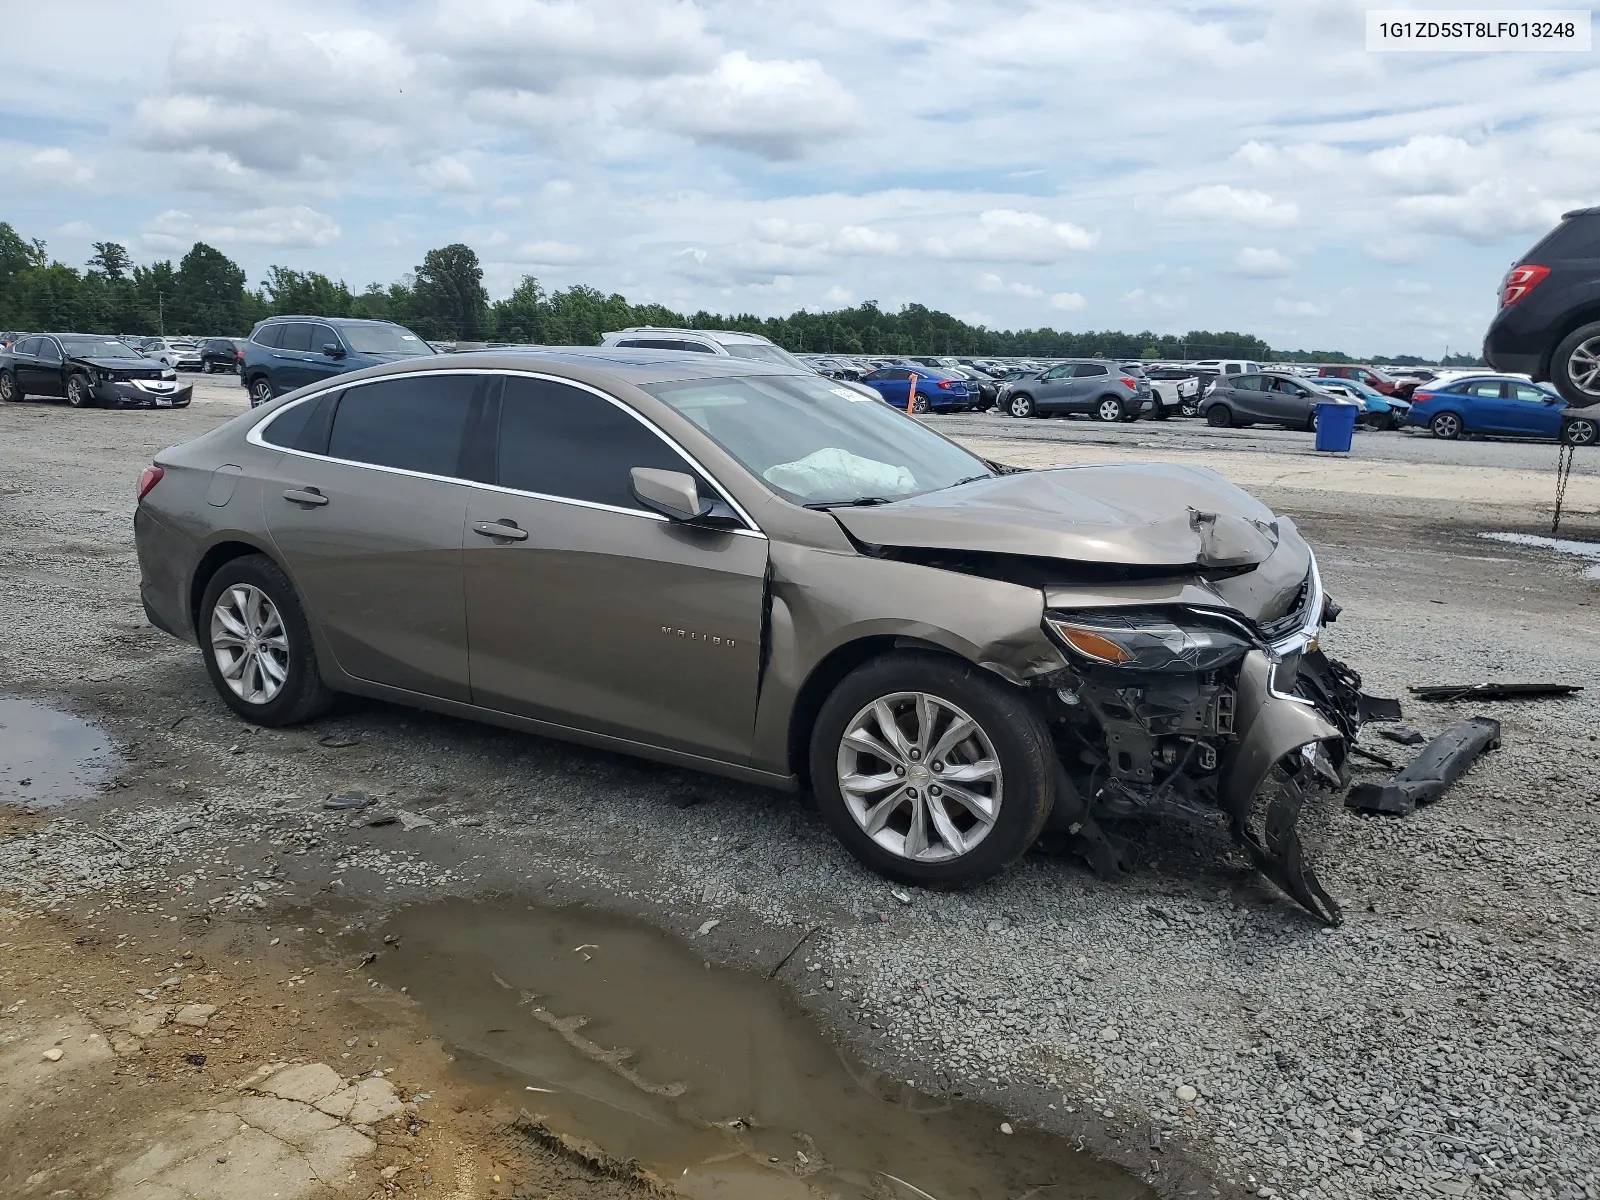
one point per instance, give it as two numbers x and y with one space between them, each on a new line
48 757
712 1080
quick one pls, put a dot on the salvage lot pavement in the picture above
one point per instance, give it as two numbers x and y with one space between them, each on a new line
1186 1021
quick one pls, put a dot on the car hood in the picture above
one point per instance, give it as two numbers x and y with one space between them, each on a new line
108 363
1142 515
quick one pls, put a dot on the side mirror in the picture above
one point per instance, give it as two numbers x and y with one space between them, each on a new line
333 349
670 493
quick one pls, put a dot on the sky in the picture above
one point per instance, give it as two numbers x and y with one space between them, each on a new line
1069 163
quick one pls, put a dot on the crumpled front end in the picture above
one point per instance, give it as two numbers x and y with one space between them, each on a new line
1191 711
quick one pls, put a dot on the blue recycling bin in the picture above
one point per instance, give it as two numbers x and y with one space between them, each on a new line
1336 427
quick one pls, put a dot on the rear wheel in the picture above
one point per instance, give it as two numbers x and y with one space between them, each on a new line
930 770
261 391
1575 366
1109 408
1219 416
1446 425
257 644
1021 406
9 391
920 404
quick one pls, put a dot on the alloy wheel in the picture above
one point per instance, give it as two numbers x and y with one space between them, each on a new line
920 777
8 391
1583 367
1021 406
1447 426
250 643
77 392
1109 410
1581 432
260 393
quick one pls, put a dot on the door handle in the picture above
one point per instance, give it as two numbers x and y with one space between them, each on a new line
307 496
501 529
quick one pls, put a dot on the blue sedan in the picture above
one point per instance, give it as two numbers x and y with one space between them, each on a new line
935 388
1496 404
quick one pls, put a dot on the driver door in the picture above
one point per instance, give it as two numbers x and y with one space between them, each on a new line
587 610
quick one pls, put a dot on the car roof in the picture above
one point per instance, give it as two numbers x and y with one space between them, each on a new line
328 320
723 336
638 367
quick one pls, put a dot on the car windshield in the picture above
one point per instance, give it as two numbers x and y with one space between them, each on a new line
816 443
92 347
384 339
762 352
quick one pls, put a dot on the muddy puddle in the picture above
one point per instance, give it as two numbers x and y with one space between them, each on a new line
48 757
711 1078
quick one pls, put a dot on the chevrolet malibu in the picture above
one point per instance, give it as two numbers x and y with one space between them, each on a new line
741 568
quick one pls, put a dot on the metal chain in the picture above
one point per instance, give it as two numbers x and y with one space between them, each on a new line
1563 473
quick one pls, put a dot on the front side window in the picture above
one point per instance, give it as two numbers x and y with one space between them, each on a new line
559 440
48 351
322 336
813 442
415 424
1526 391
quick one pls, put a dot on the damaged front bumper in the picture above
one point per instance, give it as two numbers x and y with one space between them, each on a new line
1247 744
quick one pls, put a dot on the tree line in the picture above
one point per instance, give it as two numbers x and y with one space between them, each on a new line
206 293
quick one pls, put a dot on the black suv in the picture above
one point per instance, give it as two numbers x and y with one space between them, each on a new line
1548 325
220 354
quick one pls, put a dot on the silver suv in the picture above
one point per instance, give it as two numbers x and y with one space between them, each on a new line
705 341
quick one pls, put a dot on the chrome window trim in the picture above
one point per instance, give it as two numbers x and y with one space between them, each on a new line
256 437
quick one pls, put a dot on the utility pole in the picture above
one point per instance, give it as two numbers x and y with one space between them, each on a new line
161 320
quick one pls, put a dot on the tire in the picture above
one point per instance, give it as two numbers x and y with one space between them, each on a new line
920 403
10 392
1380 421
1447 425
1575 366
205 366
1021 406
79 393
300 693
1011 735
1311 422
1110 409
1579 432
261 391
1161 413
1219 416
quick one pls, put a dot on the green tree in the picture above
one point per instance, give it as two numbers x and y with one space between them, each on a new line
208 294
448 294
111 261
523 316
309 292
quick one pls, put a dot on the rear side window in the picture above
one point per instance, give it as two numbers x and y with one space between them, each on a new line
1250 383
268 336
1576 237
1487 389
414 424
1090 370
303 426
562 441
664 344
1232 369
296 336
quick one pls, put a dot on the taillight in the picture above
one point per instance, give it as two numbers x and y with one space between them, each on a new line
1419 397
238 356
1130 382
1519 281
945 384
149 478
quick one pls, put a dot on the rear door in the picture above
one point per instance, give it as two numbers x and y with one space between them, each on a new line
585 609
1483 406
1089 382
367 511
48 367
25 365
1245 396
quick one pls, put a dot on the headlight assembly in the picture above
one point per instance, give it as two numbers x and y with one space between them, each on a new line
1149 641
169 374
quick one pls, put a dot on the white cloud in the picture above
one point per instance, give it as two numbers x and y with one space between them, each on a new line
1067 301
1223 202
990 282
837 297
1313 156
807 234
1486 211
1432 163
1007 235
1299 308
1263 263
775 109
283 226
448 174
547 253
858 239
59 166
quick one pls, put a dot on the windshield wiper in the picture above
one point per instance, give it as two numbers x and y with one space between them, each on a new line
971 479
858 502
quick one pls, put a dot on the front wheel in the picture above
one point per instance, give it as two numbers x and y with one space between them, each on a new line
931 771
1021 406
1380 421
1579 431
1575 366
260 391
9 391
1446 425
257 644
1110 409
79 393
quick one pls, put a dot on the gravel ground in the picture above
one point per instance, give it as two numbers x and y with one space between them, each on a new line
1441 1042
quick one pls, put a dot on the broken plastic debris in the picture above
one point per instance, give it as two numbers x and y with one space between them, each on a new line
1426 778
707 927
1444 692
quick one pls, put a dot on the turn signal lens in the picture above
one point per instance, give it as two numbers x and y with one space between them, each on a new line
1091 644
148 479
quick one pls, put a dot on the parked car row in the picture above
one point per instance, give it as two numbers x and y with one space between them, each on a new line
86 370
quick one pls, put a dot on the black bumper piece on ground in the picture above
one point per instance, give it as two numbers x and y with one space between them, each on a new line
1427 777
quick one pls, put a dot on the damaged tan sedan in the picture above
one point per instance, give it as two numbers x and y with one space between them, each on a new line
757 572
